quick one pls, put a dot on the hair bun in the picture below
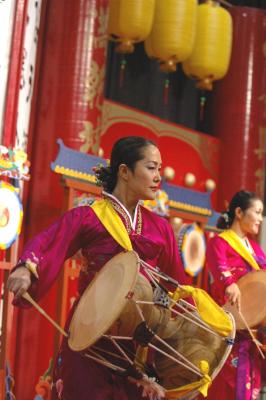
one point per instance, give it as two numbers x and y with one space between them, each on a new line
224 221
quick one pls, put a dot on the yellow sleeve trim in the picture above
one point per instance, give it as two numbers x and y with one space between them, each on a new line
32 267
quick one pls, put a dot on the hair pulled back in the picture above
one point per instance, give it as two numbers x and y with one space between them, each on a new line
242 199
127 150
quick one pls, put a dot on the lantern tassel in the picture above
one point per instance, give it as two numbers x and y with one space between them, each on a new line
202 105
166 91
122 71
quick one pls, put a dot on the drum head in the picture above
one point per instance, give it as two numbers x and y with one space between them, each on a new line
10 215
103 300
191 245
253 305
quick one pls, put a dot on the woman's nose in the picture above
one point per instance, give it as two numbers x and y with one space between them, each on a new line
158 177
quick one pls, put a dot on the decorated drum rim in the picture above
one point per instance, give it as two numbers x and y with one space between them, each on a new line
10 220
184 233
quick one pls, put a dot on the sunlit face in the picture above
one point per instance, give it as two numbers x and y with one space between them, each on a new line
251 218
144 181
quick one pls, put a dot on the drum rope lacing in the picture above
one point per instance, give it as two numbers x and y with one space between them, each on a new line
153 274
103 361
190 365
137 362
152 271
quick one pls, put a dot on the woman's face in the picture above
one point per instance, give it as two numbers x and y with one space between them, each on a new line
251 218
144 181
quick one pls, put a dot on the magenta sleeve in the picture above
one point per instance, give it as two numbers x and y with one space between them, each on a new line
169 260
217 261
51 247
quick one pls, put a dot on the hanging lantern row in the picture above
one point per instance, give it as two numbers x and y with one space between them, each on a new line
176 31
210 58
173 32
130 22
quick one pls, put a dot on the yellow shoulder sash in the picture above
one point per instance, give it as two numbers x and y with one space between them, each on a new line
112 222
236 243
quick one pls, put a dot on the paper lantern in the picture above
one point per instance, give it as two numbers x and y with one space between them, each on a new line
210 58
173 32
130 21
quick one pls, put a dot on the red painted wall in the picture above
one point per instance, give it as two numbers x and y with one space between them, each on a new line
182 149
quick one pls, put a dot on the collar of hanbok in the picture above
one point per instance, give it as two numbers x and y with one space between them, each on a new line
116 219
131 224
236 243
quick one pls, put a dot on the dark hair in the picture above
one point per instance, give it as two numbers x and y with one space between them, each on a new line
242 199
127 150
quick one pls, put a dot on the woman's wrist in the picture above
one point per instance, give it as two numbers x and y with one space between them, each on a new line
229 281
30 266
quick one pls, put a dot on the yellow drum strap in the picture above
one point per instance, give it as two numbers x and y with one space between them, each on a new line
209 311
202 385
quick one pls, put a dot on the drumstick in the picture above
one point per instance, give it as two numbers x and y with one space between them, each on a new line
36 305
251 333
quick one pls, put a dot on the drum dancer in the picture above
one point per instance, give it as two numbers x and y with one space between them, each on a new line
133 175
231 255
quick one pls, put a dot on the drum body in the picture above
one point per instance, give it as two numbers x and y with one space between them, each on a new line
117 303
156 317
108 304
196 345
253 305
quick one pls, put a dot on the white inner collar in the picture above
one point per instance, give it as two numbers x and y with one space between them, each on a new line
134 222
247 244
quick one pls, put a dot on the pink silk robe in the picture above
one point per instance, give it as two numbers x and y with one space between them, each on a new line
77 377
239 379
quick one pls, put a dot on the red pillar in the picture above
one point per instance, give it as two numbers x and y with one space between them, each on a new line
14 75
69 99
238 114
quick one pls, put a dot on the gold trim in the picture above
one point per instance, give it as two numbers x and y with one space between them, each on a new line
32 267
75 174
189 207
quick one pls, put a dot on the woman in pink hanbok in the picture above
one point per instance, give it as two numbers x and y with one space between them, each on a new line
133 175
230 255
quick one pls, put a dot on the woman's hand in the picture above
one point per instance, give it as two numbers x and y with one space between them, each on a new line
19 281
151 390
233 294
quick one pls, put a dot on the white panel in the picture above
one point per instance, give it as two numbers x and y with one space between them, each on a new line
28 72
7 8
263 235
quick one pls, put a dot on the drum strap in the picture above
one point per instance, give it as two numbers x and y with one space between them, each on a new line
202 385
112 222
235 242
208 309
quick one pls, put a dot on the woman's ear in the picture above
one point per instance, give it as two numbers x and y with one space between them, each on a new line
123 171
238 212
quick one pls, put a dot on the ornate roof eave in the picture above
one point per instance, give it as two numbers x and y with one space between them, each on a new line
77 165
188 200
